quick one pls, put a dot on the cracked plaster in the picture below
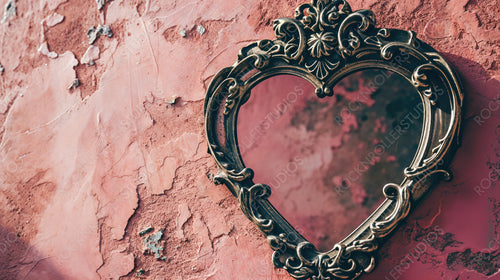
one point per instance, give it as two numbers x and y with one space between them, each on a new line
83 171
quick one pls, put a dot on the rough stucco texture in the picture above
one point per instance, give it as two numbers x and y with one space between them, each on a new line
84 170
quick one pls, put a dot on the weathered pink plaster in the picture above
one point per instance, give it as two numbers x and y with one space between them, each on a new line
84 170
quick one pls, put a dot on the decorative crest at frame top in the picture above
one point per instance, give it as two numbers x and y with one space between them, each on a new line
324 34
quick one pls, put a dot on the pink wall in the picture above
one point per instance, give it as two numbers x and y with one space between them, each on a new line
83 171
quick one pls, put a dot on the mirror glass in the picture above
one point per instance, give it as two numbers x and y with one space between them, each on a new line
326 160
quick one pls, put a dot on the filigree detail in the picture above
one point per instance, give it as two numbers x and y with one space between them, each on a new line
316 25
233 90
342 265
292 35
322 67
321 15
402 198
325 33
356 26
249 200
320 44
420 79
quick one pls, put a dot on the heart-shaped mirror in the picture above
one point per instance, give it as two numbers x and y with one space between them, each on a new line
330 155
327 177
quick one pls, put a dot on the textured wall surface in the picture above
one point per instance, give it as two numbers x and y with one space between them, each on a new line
110 179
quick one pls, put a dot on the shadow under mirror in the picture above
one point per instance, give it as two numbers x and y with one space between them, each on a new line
327 160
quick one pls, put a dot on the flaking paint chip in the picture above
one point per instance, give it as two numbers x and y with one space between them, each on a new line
10 11
96 32
172 99
152 245
100 4
145 231
74 84
44 49
201 29
53 20
91 55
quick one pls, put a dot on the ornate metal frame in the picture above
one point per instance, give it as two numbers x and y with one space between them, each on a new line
324 43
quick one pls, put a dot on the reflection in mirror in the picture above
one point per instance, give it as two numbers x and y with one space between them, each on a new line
326 160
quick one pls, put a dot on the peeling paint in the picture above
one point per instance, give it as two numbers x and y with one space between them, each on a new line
53 20
100 4
74 84
152 245
144 162
144 231
172 99
10 11
201 30
95 32
90 55
44 49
